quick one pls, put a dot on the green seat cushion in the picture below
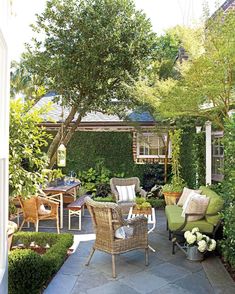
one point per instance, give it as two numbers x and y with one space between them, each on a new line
215 205
173 209
175 220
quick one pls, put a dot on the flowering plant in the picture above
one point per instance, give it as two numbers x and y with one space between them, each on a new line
195 238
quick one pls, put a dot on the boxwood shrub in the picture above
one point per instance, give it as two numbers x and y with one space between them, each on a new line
29 271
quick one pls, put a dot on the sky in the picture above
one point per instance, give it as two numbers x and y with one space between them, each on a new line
162 13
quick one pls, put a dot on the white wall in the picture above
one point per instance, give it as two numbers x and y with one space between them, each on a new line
4 133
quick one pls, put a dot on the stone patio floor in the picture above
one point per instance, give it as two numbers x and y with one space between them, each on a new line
166 273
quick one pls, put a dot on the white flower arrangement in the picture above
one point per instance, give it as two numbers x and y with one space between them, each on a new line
195 238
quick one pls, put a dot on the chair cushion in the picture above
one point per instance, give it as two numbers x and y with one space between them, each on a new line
126 193
124 232
43 211
185 194
195 203
215 205
175 220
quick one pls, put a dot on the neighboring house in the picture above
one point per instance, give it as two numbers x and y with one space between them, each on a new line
149 140
217 146
217 150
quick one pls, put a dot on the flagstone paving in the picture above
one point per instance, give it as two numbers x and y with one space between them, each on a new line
166 273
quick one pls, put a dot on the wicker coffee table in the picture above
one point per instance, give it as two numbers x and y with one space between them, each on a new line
149 214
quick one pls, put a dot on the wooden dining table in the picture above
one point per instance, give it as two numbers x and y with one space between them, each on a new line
58 192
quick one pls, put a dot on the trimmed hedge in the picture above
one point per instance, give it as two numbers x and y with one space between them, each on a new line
29 271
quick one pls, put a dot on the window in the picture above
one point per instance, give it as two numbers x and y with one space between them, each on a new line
152 146
217 157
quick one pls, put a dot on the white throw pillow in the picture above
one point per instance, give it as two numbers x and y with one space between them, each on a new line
42 210
124 232
195 203
126 193
184 196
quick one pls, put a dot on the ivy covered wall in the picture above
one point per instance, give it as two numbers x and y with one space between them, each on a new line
114 151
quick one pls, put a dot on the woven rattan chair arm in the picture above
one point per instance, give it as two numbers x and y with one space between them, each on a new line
142 192
52 204
116 195
135 221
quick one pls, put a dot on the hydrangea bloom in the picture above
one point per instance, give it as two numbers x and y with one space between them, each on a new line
199 236
186 234
191 238
202 246
212 245
194 230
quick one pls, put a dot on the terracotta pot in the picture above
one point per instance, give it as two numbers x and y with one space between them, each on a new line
171 197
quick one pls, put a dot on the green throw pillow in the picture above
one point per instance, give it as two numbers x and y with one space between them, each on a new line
215 205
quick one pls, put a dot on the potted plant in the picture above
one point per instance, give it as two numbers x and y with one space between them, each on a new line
173 190
197 244
142 206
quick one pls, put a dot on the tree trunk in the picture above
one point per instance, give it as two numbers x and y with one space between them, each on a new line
67 138
56 140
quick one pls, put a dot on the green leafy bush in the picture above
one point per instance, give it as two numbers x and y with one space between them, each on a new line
104 199
26 156
157 202
97 180
29 271
153 174
228 193
177 183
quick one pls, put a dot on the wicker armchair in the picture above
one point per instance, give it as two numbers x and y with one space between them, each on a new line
106 219
114 182
31 213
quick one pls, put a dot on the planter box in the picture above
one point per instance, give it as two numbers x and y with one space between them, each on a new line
142 211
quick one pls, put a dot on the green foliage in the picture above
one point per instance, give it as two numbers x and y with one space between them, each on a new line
97 45
207 76
28 271
26 158
97 180
157 202
177 183
114 151
188 159
228 192
153 174
104 199
52 174
22 82
192 152
140 200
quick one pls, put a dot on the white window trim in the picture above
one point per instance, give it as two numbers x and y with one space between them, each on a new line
150 156
217 177
4 139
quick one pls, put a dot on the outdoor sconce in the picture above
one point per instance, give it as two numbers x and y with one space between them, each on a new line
198 129
61 156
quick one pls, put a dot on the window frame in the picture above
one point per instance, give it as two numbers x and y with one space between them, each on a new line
160 156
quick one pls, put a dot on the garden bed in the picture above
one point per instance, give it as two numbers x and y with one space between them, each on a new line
30 268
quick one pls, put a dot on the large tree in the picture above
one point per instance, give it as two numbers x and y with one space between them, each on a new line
86 51
205 86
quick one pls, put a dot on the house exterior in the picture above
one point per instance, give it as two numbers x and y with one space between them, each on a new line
149 137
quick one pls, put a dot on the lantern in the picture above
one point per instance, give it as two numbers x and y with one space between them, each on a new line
61 156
